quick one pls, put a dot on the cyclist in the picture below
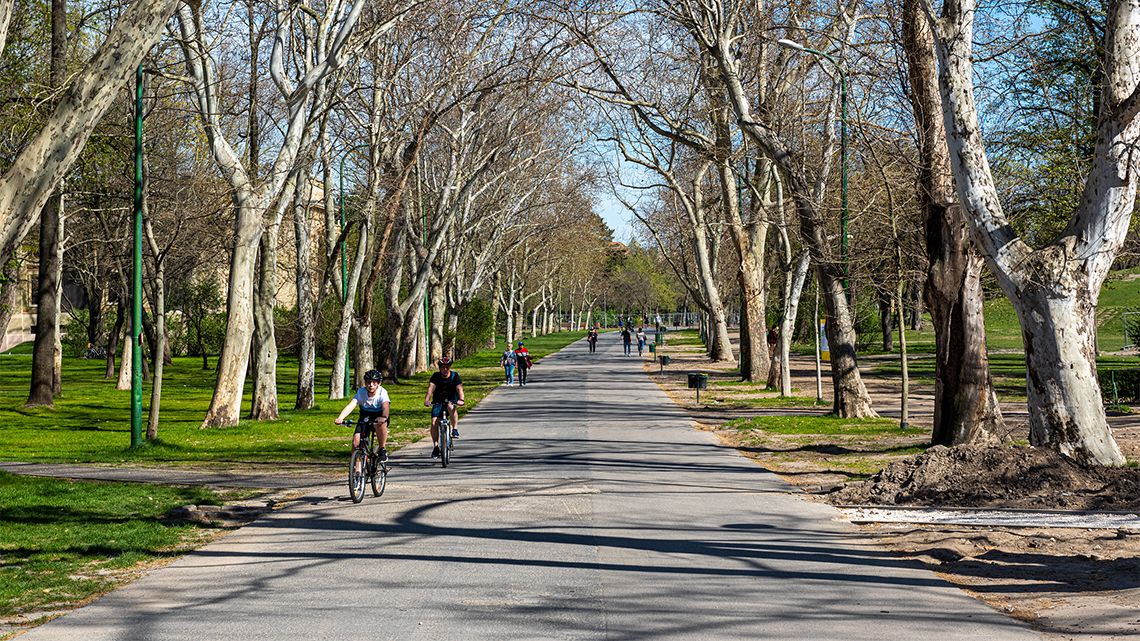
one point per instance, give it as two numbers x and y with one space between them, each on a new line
374 408
444 393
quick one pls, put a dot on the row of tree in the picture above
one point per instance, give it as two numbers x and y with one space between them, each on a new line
381 168
728 117
399 160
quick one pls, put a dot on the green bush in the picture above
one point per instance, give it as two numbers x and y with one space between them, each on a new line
1127 385
74 332
473 329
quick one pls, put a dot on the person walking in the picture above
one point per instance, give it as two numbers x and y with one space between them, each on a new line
626 340
522 363
592 339
640 340
508 362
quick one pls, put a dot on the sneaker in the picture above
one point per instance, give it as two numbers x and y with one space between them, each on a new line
383 455
435 452
455 432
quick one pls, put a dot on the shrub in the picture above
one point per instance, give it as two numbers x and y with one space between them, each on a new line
473 328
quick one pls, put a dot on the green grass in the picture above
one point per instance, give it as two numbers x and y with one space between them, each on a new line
765 402
62 542
818 425
90 422
677 338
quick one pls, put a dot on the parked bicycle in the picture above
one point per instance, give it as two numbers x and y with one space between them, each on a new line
365 465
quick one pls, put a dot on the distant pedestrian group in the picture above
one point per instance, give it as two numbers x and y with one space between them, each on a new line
516 363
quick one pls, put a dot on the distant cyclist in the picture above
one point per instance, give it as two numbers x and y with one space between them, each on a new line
374 408
444 393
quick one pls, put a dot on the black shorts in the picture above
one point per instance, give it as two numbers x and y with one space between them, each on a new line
367 423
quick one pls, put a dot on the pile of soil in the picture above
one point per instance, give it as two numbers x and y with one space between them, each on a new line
996 476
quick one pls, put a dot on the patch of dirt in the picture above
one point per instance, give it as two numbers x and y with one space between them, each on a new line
996 476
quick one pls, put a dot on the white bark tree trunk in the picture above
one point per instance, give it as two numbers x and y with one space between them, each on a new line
42 164
1053 289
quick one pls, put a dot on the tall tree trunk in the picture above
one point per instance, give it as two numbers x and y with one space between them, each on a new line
45 356
339 369
47 304
306 319
116 335
793 291
719 345
264 404
851 398
1053 289
123 382
233 363
9 293
886 313
437 300
161 345
965 404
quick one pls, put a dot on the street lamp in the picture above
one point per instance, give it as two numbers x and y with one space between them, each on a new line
792 44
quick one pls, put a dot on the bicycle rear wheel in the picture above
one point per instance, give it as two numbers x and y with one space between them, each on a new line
357 470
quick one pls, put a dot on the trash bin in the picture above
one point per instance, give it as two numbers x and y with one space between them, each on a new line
698 380
664 361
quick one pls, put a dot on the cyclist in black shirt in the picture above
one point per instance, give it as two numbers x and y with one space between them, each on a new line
444 393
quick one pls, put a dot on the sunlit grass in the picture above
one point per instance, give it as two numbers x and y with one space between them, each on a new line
64 541
90 422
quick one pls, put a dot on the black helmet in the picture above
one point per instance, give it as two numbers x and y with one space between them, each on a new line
444 360
373 375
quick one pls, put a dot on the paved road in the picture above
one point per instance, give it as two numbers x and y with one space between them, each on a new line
583 506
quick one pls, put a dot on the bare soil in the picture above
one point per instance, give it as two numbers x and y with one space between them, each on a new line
1067 583
996 476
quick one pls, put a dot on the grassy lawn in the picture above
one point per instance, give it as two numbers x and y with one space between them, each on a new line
825 448
63 542
90 422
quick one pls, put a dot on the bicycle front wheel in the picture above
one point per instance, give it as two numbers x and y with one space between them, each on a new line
357 470
445 444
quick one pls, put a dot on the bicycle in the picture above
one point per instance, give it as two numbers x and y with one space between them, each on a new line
365 464
446 441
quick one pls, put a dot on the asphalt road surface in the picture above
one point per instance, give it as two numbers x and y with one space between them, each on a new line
583 506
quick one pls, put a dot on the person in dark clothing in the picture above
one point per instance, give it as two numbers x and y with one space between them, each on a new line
626 340
444 394
592 339
522 363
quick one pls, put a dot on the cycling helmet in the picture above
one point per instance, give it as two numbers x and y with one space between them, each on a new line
373 375
443 361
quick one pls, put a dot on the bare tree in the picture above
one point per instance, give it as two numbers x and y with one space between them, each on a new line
1054 289
253 198
965 404
714 27
27 184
